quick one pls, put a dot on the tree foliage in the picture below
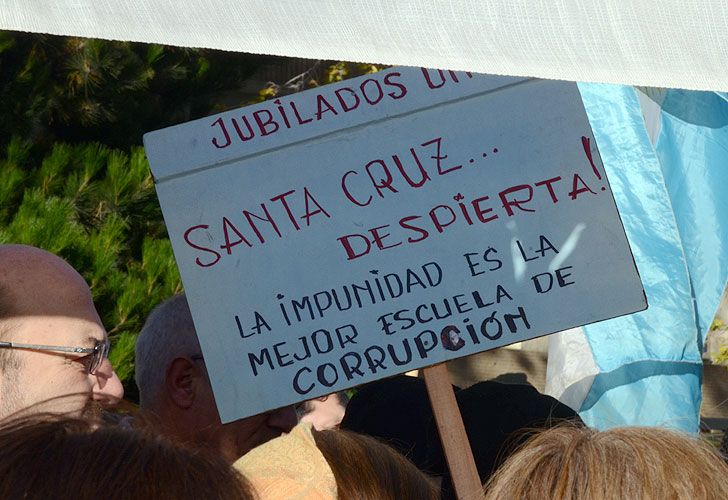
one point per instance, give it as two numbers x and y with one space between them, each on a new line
319 73
73 177
96 207
80 89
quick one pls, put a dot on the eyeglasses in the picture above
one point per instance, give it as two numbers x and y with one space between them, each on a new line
94 355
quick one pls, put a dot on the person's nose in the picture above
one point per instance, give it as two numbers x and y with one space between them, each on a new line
107 386
284 419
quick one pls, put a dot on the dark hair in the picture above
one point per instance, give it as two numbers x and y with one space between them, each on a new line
497 418
366 469
49 457
447 343
397 411
305 407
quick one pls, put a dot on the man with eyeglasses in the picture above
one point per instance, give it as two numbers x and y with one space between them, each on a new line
53 347
174 388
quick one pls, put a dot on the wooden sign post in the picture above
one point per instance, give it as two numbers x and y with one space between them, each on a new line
458 454
387 223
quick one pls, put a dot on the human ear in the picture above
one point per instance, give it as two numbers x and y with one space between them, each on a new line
181 382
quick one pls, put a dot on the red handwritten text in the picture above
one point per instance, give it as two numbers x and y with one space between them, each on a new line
385 176
286 113
512 201
254 226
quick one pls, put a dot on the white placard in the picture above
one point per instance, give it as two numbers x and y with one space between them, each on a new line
386 223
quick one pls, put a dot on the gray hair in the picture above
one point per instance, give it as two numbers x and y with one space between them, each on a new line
168 334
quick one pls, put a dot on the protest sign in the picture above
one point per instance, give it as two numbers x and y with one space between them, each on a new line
386 223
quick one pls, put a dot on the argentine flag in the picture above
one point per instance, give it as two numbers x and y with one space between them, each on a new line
666 156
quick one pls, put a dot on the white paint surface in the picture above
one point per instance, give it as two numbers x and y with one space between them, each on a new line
504 132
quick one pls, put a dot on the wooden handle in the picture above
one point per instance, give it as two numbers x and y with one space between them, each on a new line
454 440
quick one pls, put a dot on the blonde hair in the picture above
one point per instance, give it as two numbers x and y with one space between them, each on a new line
368 469
572 462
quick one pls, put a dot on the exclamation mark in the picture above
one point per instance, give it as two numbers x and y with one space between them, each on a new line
586 144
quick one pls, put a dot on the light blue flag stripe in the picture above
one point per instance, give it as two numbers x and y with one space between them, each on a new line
650 362
692 147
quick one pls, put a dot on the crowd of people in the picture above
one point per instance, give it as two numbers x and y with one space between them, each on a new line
66 432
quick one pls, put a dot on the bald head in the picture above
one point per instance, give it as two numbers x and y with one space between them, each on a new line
32 281
44 301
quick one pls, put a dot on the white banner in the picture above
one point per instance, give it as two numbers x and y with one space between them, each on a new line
665 43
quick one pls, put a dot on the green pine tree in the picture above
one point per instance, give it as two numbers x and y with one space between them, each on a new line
96 207
318 74
73 179
79 89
